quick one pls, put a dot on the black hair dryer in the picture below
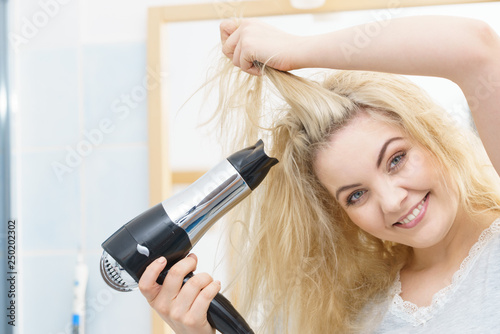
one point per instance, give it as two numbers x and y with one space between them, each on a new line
174 226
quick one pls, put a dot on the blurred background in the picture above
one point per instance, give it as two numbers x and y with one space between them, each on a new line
74 141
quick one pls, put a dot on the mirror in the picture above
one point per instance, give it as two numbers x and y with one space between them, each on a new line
184 46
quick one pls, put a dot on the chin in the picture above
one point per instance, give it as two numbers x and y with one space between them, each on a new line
423 244
431 238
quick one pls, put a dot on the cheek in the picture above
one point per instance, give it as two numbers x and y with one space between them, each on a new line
420 169
367 219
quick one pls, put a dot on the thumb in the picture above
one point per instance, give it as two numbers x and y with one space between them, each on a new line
147 283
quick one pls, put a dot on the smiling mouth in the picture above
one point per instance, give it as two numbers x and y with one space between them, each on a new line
414 214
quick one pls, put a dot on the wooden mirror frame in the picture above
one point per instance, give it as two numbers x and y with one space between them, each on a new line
161 177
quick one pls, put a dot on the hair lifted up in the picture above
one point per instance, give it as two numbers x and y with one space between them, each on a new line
303 266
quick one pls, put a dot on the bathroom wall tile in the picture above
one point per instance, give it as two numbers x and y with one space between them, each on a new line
49 206
47 293
116 190
48 281
44 24
110 311
115 87
47 94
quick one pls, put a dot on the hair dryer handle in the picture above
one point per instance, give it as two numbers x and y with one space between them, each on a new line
223 316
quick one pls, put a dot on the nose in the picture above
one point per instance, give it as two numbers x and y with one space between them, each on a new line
392 197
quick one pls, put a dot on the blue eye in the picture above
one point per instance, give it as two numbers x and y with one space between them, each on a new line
354 197
396 160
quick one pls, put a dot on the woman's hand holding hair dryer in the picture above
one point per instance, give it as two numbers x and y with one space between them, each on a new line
183 307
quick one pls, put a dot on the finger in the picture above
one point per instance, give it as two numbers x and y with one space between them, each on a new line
191 290
174 279
230 44
237 55
202 303
147 283
250 65
227 27
247 64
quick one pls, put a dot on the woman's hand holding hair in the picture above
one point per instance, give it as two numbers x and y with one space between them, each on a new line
255 41
463 50
183 307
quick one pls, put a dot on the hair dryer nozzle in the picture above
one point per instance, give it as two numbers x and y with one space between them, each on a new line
252 164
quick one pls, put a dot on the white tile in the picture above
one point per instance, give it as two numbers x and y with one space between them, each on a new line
47 93
44 24
116 190
110 311
115 87
47 298
49 208
46 293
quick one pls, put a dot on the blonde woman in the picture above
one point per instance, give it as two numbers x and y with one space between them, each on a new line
382 215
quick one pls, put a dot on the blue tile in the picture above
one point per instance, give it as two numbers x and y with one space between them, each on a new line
47 89
50 212
116 190
114 88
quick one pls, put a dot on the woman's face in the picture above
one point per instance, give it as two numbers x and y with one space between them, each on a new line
389 186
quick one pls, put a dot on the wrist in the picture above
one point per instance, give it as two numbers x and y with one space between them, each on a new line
311 52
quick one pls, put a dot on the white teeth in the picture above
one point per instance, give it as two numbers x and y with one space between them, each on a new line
415 213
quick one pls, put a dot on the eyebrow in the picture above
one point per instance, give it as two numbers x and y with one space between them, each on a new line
379 161
341 189
384 148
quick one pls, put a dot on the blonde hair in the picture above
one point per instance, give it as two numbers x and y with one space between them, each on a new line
303 266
